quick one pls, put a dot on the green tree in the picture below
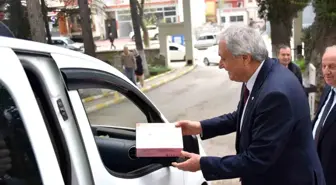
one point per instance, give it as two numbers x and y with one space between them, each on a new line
320 35
280 13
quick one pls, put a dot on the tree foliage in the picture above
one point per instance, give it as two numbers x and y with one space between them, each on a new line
325 11
280 13
280 10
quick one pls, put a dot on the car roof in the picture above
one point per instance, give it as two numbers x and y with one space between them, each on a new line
83 60
206 34
59 37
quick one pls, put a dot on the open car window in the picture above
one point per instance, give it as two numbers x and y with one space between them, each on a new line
114 109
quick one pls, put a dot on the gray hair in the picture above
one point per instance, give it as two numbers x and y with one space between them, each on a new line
242 40
333 47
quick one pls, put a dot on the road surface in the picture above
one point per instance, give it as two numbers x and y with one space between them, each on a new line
204 93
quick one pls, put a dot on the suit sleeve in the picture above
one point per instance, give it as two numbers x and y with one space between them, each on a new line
270 132
220 125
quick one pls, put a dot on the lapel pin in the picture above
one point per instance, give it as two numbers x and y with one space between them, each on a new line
252 98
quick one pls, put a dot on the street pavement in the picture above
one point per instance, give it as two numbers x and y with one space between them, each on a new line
203 93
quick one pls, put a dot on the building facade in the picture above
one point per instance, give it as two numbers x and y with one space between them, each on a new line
155 11
64 18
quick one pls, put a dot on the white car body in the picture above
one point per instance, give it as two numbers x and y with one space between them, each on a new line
206 40
177 52
67 43
210 56
57 70
153 32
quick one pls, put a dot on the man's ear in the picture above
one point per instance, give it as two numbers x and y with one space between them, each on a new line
247 59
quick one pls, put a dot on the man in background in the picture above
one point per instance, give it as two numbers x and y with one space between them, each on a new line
284 57
129 64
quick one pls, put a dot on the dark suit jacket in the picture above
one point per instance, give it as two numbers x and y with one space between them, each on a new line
327 141
296 70
275 145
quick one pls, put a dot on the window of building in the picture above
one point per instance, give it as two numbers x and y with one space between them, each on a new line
170 8
222 19
238 18
170 13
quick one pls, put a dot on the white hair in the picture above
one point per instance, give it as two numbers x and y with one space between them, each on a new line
242 40
333 47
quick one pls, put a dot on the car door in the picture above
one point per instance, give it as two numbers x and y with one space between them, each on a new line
210 41
108 130
175 53
200 42
213 54
23 128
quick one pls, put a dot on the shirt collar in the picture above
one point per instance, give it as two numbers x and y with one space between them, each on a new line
253 78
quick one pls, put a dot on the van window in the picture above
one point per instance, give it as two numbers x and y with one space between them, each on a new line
23 168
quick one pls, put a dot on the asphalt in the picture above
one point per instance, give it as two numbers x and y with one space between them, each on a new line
203 93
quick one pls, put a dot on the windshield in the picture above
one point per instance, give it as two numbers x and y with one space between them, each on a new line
69 41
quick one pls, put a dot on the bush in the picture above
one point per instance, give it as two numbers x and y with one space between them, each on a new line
156 70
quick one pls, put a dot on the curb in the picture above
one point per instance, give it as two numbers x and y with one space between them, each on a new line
91 98
117 98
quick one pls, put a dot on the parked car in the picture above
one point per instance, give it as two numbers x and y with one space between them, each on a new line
66 42
51 135
153 33
177 52
210 56
206 40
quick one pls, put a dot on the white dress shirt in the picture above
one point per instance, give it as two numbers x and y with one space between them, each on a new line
321 112
249 86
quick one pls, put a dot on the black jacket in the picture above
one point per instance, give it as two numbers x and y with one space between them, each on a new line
296 70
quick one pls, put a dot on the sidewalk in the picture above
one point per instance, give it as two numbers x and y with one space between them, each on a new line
101 101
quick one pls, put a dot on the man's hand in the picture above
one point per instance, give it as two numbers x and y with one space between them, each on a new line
189 127
192 164
5 159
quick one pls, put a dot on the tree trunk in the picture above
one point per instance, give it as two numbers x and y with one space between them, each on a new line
85 13
137 35
45 19
281 33
142 23
37 29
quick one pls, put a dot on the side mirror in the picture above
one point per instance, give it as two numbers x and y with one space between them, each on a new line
190 144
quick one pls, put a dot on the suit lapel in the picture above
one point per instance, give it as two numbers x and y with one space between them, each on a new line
263 73
322 101
328 122
330 118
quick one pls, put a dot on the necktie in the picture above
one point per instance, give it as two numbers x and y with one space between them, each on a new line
246 93
324 116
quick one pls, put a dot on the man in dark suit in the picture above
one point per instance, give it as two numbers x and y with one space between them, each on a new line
284 57
324 129
272 122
